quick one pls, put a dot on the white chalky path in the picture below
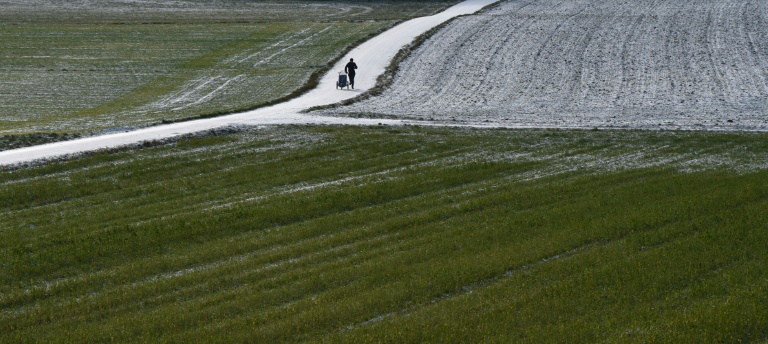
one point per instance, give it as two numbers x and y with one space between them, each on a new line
372 57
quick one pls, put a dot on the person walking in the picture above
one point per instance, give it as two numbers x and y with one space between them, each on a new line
350 70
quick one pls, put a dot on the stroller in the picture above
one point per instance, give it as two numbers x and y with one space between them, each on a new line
342 81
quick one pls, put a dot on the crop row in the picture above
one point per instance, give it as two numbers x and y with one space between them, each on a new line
697 64
391 234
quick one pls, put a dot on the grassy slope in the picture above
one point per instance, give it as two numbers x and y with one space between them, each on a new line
109 65
393 234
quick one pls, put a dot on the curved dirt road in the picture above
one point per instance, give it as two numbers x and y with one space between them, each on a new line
372 57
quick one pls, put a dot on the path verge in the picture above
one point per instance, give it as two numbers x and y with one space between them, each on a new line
373 56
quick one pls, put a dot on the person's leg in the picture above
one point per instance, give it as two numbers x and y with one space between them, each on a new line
352 80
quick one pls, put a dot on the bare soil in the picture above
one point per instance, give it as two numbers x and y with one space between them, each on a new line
670 64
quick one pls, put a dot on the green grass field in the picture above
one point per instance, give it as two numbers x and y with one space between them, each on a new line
344 234
378 234
79 69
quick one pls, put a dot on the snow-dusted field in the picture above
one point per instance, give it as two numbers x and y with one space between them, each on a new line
373 55
151 10
672 64
669 64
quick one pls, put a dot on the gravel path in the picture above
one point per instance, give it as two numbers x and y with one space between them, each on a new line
649 64
372 57
671 64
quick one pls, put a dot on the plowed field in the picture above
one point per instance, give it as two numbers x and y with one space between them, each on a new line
695 64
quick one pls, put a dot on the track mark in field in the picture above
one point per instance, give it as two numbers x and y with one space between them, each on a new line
651 64
209 95
246 265
561 256
384 176
469 288
281 42
235 77
298 43
239 266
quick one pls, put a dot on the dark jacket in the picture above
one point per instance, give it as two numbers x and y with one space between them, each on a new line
350 68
